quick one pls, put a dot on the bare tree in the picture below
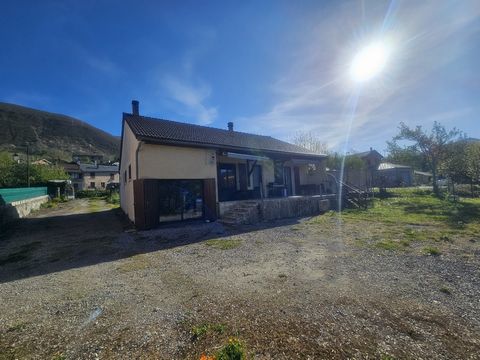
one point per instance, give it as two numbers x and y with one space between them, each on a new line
433 145
310 141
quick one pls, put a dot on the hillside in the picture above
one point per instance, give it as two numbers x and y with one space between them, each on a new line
53 136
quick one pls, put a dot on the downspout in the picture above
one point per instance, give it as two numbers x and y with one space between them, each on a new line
140 143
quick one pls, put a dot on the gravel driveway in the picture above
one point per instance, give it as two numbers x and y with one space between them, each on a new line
78 283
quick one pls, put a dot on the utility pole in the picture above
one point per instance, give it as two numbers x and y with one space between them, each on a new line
28 166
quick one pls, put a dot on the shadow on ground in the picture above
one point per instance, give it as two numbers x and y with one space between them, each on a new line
37 246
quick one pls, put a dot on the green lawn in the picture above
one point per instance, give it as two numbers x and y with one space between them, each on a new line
409 219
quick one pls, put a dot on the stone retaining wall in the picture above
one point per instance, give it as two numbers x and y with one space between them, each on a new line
253 211
271 209
21 208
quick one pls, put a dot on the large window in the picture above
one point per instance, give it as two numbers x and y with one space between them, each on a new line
278 172
180 200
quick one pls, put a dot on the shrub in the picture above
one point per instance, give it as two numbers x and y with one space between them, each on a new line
232 351
94 193
113 198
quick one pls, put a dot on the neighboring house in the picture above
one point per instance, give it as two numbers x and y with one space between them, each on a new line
176 171
92 176
362 178
394 175
41 162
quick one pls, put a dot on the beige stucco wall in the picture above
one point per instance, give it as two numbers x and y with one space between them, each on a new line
98 179
175 162
129 147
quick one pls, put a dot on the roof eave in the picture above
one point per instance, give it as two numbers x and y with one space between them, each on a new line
158 141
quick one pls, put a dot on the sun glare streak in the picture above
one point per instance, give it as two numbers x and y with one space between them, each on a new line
351 110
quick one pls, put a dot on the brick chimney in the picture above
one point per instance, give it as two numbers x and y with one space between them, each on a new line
230 126
135 105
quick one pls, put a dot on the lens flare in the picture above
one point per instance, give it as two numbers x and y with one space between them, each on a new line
369 62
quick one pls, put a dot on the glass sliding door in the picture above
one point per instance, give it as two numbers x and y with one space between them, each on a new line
180 200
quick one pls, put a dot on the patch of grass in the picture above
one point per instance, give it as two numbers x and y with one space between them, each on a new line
431 250
24 253
405 242
17 327
415 235
113 198
445 290
234 350
403 218
59 357
392 245
223 244
135 263
201 330
388 245
387 357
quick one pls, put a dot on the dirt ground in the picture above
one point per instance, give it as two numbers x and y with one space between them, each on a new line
77 282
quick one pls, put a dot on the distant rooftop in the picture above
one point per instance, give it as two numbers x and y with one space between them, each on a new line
386 166
98 168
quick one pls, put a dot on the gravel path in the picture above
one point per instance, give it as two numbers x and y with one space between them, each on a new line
83 285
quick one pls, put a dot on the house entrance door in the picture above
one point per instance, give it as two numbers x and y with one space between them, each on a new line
227 181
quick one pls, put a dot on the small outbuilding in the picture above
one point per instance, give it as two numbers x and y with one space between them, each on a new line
394 175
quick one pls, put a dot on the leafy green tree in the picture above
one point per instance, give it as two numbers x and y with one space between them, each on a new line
6 163
454 164
15 175
352 162
406 155
472 160
433 146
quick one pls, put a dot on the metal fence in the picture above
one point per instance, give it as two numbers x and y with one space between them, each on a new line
15 194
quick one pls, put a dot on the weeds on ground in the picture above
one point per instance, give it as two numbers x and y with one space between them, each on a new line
17 327
223 244
431 250
445 290
113 198
200 330
234 350
135 263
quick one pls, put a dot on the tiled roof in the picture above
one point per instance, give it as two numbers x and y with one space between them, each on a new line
98 168
367 153
171 131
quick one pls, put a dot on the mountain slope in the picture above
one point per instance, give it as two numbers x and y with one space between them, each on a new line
53 136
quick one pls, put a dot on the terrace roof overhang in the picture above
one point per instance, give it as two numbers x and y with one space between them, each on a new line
222 149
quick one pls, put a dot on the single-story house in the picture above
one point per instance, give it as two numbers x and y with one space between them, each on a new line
394 175
171 171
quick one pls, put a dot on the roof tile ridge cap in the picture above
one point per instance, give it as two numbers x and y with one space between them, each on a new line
150 118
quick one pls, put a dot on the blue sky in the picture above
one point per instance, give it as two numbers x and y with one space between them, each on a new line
273 68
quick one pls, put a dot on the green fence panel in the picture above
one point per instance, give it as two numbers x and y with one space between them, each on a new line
10 195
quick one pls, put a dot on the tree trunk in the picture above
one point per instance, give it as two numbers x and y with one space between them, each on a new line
471 188
434 179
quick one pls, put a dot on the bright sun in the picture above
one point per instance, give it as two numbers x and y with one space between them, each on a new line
369 62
